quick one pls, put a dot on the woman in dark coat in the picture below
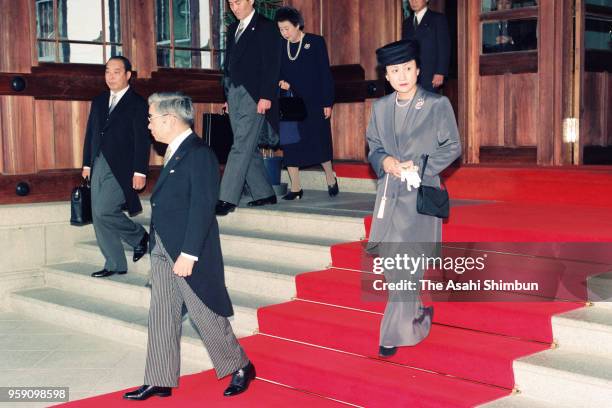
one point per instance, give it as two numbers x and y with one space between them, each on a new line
305 72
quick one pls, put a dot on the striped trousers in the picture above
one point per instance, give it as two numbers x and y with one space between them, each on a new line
168 293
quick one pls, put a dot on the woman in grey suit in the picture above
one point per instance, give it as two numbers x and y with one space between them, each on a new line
404 127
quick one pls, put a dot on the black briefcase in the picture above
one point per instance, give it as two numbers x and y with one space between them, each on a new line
80 204
217 133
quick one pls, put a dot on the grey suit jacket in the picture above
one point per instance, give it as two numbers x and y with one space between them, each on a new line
430 128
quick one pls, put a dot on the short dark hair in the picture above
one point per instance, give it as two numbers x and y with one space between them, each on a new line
126 62
291 15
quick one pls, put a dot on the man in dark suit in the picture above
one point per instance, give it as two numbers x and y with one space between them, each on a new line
430 30
186 260
116 156
251 73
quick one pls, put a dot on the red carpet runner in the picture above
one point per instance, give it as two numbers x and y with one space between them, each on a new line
323 346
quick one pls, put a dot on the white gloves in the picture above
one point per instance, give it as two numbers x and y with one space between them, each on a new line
411 178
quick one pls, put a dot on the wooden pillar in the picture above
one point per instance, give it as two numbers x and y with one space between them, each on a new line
472 78
140 36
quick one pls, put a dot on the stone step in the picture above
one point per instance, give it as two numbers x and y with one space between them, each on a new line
566 378
256 277
131 290
600 290
521 401
298 219
103 318
280 250
315 180
586 330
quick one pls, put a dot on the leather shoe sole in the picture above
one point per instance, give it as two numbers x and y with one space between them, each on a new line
224 208
240 381
147 391
104 273
141 249
262 201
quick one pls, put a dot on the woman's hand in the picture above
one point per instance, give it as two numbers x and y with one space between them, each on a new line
393 166
284 85
327 111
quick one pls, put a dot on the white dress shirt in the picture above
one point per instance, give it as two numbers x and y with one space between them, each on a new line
245 23
173 146
118 96
420 14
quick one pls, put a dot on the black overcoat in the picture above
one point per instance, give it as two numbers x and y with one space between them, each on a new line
183 215
254 62
124 139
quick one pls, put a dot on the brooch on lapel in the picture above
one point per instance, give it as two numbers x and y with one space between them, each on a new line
419 103
307 46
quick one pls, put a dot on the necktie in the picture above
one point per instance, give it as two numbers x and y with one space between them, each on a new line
415 22
239 31
167 156
112 103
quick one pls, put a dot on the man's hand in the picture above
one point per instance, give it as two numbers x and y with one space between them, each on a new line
438 80
284 85
225 108
183 266
86 172
138 182
263 105
327 112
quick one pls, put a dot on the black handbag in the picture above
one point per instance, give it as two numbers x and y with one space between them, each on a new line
292 108
217 133
432 201
80 204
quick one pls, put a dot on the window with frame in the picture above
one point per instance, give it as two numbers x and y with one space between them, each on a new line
598 35
189 33
509 25
509 36
78 31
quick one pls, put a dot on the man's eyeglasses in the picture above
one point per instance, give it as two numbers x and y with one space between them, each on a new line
151 117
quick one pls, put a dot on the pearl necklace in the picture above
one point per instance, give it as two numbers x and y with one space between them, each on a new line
298 51
408 101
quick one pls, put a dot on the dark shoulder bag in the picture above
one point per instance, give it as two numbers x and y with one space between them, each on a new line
432 201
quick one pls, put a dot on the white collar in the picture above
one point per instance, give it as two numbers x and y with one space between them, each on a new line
118 94
420 14
175 144
247 20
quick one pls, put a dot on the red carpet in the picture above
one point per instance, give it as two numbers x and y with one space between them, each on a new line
323 345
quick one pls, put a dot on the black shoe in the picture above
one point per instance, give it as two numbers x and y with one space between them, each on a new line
240 380
224 208
147 391
333 190
104 273
262 201
292 196
385 352
141 249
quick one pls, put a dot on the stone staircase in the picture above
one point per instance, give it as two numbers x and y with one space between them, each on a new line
263 251
578 371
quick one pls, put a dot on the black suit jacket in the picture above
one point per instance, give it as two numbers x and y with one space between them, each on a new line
434 43
124 139
183 214
254 62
